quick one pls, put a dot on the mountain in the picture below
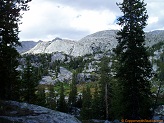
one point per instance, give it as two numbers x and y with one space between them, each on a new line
59 66
154 37
26 45
101 41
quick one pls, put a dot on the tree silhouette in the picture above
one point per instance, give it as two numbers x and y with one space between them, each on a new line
134 71
10 15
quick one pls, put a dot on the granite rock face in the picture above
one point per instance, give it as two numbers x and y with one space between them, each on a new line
25 46
63 76
101 41
15 112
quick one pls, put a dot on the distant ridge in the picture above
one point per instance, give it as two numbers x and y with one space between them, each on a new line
26 45
100 41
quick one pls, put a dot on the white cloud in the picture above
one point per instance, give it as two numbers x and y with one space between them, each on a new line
93 20
72 19
152 20
48 19
156 14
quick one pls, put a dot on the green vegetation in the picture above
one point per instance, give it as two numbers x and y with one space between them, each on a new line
105 88
86 104
9 20
156 47
134 70
101 100
73 91
159 82
62 105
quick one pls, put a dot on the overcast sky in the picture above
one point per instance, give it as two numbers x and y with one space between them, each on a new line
74 19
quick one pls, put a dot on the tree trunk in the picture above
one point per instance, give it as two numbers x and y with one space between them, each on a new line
106 101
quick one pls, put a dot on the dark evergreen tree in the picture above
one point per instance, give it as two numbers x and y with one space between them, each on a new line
159 80
62 105
9 20
86 104
29 82
116 87
73 91
41 96
56 67
95 107
134 71
51 102
79 101
65 58
105 88
116 107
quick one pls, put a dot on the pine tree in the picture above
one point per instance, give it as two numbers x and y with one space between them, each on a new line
86 104
95 107
29 81
134 71
73 91
51 98
41 96
116 107
62 105
105 88
79 101
9 20
159 77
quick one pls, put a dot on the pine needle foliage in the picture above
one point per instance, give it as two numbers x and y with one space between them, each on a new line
134 71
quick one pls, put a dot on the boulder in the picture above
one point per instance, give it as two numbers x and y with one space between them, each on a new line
159 113
63 76
15 112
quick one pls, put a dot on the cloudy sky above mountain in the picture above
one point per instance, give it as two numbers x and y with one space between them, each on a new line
74 19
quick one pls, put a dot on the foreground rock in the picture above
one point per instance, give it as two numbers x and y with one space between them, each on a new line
15 112
159 113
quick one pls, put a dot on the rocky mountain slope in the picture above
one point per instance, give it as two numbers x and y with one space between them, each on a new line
154 37
93 45
99 41
26 45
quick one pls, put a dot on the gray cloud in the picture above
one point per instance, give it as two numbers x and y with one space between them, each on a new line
90 4
49 34
155 10
156 26
45 22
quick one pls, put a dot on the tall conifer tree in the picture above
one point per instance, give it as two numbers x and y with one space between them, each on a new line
51 97
62 105
95 106
41 96
9 20
29 82
73 91
159 80
86 104
134 71
105 88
